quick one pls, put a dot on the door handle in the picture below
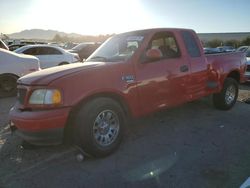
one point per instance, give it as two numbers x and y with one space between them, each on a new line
184 68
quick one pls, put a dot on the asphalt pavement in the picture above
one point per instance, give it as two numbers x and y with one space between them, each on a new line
193 145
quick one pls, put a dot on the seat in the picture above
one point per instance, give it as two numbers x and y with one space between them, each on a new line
167 52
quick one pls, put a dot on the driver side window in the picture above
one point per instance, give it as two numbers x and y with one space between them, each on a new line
166 43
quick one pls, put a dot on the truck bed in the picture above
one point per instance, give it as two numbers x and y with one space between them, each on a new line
226 62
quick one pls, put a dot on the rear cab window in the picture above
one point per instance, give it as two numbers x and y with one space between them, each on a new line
191 44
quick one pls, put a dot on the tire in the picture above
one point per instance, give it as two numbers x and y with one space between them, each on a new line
226 99
8 86
99 127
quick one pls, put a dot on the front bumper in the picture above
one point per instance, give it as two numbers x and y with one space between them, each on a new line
44 127
47 137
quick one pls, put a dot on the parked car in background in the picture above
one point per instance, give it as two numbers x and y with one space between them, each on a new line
84 50
226 48
211 50
246 50
56 44
3 45
19 44
69 45
242 48
13 66
13 47
49 56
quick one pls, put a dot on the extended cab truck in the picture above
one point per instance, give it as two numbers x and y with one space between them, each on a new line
130 75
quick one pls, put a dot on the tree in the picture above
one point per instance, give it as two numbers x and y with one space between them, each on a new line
214 43
246 42
234 43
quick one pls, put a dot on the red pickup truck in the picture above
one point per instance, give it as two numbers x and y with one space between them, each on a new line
131 75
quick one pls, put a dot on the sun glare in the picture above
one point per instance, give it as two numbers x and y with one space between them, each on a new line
88 17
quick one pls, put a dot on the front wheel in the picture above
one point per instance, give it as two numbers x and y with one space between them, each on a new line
99 126
226 99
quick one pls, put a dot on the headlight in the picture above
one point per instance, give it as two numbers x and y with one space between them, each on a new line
46 96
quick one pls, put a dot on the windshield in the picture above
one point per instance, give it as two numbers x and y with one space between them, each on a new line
118 48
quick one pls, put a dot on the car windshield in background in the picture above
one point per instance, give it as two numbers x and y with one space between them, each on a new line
248 52
79 46
118 48
245 49
242 49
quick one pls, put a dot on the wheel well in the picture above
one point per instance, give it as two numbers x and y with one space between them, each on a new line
235 75
68 131
115 97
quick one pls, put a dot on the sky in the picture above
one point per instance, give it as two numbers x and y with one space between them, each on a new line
94 17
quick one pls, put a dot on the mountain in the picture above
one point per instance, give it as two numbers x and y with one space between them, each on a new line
49 35
40 34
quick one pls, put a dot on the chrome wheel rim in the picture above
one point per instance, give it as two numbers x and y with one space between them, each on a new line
106 128
230 94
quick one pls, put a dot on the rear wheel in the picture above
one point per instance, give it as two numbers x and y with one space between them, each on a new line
226 99
99 126
8 86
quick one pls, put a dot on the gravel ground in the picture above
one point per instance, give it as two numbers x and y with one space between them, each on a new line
193 145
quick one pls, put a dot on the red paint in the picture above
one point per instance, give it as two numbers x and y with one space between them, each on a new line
39 120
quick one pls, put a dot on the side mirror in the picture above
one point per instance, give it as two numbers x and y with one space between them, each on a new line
153 54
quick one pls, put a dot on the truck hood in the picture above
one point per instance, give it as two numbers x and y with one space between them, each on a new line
44 77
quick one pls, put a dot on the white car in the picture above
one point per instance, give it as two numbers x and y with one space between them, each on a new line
246 50
247 73
13 66
48 55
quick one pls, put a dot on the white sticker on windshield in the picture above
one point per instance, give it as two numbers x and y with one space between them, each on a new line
135 38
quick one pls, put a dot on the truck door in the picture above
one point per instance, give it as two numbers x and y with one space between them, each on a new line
197 81
161 82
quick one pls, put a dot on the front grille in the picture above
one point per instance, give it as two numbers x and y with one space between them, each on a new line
21 93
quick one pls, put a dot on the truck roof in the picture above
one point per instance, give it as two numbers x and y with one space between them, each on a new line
145 31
